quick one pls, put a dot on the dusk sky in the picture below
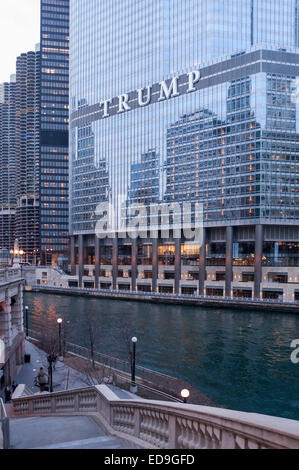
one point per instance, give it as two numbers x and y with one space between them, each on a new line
19 32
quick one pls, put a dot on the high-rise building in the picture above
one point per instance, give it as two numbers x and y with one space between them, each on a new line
34 145
7 164
27 154
54 110
187 101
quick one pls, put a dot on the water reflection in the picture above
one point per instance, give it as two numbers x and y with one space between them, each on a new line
240 359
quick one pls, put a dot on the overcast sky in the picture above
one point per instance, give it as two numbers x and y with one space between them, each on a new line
19 32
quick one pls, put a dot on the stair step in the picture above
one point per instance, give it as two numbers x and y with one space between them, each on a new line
73 432
105 442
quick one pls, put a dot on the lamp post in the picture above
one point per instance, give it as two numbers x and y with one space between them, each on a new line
22 253
59 321
133 382
26 320
185 394
51 360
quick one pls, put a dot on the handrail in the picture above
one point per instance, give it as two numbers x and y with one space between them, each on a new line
165 425
163 384
116 359
4 425
207 299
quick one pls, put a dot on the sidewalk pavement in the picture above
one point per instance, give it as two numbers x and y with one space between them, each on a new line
61 375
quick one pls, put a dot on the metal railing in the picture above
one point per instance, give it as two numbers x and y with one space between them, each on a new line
119 294
167 382
4 425
161 382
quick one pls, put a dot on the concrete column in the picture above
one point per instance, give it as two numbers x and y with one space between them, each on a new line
21 353
229 261
178 266
134 265
155 265
85 253
73 257
5 326
8 339
259 239
97 249
115 262
17 311
7 374
81 260
202 263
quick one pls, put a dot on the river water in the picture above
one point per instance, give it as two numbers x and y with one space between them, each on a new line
240 359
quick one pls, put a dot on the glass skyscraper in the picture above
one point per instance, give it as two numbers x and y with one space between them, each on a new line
34 155
54 110
176 101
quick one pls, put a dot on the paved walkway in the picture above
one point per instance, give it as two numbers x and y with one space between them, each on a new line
62 376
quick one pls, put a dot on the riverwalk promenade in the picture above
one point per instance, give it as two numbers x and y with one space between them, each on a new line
64 377
195 300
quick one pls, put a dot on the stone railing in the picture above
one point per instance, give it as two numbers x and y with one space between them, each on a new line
154 424
9 275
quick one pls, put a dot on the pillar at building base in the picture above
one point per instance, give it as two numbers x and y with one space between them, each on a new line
73 257
115 262
229 261
259 239
178 263
155 265
81 260
202 263
97 261
134 265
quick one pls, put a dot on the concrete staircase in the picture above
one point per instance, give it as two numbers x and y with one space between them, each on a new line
89 417
75 432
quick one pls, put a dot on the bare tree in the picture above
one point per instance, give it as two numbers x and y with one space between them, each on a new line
49 342
92 333
48 337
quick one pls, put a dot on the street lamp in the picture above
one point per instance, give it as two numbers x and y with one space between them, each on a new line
59 321
51 360
11 257
133 383
26 321
185 394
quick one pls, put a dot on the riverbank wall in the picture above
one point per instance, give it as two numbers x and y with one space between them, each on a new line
213 302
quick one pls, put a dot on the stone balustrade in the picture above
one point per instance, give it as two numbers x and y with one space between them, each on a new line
9 275
154 424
